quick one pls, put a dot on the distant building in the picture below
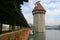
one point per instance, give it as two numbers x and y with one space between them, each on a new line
52 27
59 27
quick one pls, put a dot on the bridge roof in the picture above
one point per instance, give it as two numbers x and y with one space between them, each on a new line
10 12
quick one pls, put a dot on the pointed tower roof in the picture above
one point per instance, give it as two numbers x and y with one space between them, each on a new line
39 7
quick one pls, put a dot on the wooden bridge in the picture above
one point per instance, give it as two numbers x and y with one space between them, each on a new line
16 35
11 14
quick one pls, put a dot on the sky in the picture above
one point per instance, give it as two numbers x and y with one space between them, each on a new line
52 7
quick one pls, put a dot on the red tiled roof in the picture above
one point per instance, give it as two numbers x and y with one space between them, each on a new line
38 7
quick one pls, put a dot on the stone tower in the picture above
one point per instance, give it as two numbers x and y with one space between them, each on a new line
39 18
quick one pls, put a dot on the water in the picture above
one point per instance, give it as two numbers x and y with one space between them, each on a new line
48 35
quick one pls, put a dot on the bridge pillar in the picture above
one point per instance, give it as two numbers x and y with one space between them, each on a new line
10 28
13 27
0 28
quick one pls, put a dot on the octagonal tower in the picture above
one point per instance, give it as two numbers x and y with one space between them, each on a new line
39 18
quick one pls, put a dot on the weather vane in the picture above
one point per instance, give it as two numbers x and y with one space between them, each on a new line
37 3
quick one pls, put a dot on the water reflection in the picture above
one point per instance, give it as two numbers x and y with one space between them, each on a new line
49 35
52 34
38 36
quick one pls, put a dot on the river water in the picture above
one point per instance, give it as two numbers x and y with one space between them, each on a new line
48 35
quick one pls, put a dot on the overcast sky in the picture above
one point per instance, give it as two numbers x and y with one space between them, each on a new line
52 7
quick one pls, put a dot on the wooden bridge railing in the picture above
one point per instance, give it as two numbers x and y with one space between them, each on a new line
16 35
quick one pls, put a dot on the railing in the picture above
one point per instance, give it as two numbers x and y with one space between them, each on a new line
16 35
